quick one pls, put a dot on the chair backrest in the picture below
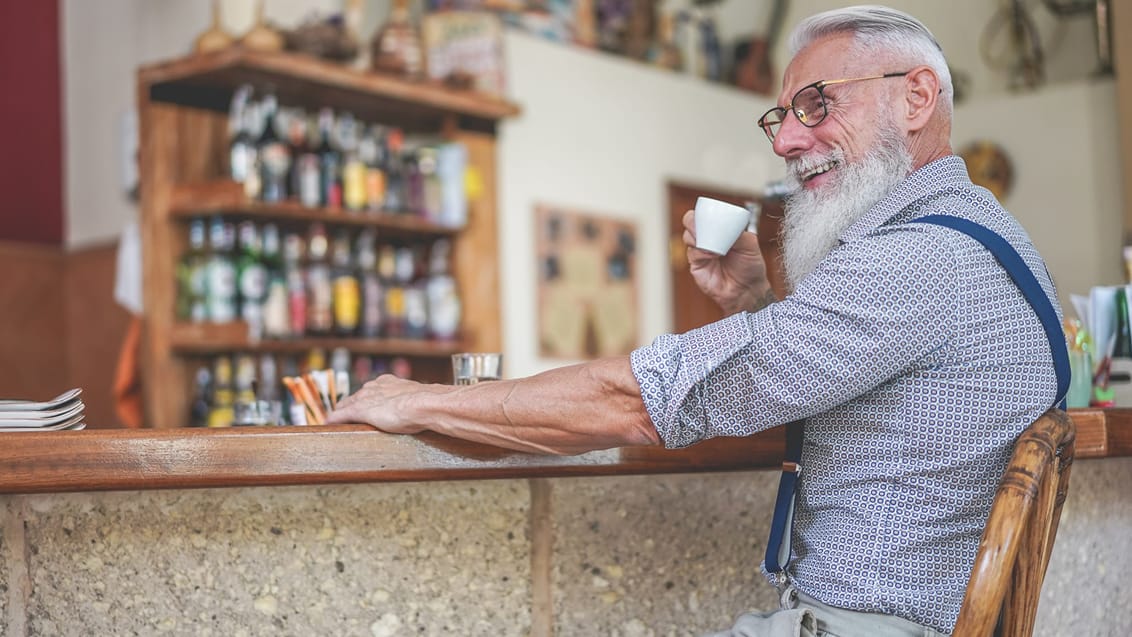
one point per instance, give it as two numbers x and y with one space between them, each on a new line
1002 594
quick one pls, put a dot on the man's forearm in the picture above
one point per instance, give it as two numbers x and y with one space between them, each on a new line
569 410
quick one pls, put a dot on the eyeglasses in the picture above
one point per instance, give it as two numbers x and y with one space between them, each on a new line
809 104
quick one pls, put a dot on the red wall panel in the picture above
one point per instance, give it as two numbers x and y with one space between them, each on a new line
31 164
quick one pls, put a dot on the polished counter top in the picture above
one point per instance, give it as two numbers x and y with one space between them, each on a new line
126 459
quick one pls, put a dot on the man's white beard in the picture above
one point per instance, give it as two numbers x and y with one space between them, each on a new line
815 219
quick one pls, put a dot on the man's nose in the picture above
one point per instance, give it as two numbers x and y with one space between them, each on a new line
793 137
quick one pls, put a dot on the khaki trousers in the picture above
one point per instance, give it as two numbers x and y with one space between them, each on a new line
812 618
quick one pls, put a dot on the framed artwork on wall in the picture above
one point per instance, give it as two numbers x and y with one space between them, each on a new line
587 284
465 48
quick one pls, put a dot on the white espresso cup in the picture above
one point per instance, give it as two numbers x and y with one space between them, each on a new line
719 224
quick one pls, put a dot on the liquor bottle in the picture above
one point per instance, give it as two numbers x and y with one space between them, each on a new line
202 393
340 362
320 293
245 379
452 172
251 279
315 360
276 312
270 388
268 376
401 367
347 292
274 155
430 196
413 183
221 273
308 167
405 264
293 410
413 281
221 412
444 308
296 284
394 296
241 148
353 170
362 372
296 128
372 290
329 161
394 172
1123 346
192 277
372 156
396 46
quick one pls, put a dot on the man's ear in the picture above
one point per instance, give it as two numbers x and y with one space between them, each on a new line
921 97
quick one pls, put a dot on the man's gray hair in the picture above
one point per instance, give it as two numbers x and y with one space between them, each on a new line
877 28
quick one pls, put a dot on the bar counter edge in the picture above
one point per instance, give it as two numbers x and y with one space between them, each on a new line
128 459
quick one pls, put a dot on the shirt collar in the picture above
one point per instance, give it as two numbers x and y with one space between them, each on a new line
945 172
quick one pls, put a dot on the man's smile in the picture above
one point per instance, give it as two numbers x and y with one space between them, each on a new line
806 171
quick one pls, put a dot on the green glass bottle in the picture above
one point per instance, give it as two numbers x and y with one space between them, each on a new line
1123 347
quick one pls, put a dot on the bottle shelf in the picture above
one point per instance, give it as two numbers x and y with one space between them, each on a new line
218 338
183 116
208 80
226 198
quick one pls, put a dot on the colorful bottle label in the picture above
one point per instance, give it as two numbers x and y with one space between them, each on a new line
347 303
354 185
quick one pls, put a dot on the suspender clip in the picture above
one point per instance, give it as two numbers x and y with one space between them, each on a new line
787 594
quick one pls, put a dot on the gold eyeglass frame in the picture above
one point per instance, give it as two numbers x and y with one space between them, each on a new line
820 87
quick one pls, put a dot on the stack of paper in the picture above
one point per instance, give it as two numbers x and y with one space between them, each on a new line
65 411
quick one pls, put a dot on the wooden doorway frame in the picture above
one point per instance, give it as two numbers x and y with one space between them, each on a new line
691 308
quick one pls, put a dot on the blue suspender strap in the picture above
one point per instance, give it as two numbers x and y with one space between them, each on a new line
778 553
783 503
1012 262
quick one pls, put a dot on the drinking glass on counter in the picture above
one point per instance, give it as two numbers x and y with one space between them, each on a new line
469 368
252 413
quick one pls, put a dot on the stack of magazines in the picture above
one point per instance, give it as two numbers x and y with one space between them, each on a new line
65 411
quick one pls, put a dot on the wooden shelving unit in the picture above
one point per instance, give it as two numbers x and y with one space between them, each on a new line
215 338
226 198
182 107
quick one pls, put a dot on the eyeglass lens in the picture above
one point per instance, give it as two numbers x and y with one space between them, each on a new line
808 106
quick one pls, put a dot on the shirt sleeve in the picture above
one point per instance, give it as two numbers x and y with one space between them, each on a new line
875 308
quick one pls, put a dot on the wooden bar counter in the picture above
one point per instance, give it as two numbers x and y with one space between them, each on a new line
101 460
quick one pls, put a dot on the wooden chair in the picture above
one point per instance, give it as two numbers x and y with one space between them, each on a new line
1002 594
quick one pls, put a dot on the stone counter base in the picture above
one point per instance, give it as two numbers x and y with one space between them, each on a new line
573 557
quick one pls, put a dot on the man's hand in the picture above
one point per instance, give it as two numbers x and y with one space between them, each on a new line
736 281
381 403
566 410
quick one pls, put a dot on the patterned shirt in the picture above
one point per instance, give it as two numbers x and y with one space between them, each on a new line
914 360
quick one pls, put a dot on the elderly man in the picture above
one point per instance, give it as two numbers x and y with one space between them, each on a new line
908 345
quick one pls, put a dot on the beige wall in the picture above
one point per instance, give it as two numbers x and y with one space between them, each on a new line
103 44
603 133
